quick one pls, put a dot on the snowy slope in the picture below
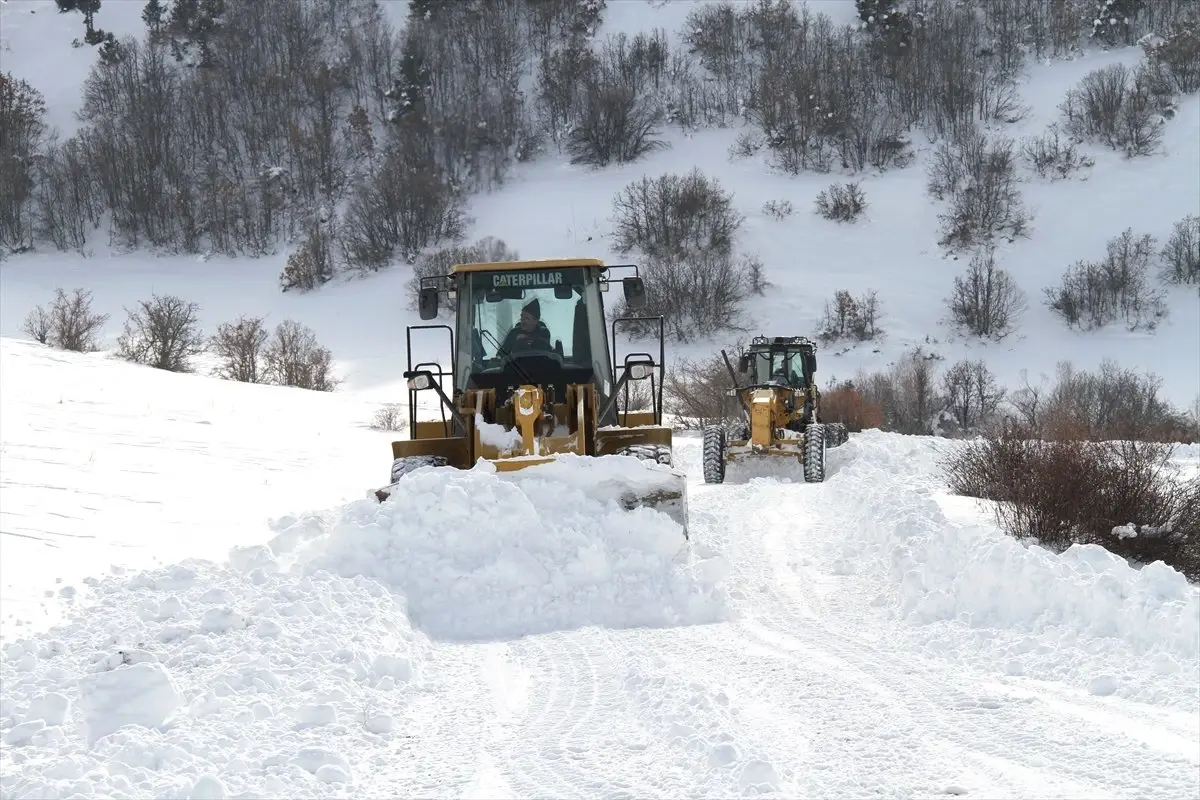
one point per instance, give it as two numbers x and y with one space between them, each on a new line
106 462
549 208
486 635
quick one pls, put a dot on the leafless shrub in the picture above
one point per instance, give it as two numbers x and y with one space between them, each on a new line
846 404
778 209
841 202
293 357
389 417
979 178
1181 253
238 346
1177 54
1051 155
849 317
439 262
1119 287
907 393
616 125
696 393
162 332
1116 106
1110 403
986 301
311 265
972 396
1122 495
698 294
69 324
670 215
407 206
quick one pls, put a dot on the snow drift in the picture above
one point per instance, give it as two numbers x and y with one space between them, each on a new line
481 555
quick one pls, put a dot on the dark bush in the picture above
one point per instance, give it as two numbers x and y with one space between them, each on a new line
841 202
162 332
1122 495
293 357
1050 155
238 346
986 301
1115 105
849 317
69 324
847 405
980 180
1118 287
1181 253
672 215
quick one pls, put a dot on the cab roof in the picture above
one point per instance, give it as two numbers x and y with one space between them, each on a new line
546 263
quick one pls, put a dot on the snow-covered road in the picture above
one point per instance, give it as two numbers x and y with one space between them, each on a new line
489 635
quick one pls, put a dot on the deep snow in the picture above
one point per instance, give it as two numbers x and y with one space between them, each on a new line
485 637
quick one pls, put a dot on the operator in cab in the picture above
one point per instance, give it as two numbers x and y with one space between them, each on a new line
530 333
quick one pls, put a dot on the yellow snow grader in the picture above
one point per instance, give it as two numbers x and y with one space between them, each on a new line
780 409
532 377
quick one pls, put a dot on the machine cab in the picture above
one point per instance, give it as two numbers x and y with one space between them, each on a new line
535 322
782 361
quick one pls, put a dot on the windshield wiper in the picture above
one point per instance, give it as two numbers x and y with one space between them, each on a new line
508 356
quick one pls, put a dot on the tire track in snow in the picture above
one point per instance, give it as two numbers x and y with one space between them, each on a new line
1009 738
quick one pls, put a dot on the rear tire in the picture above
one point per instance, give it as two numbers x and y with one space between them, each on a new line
814 453
714 454
836 434
658 453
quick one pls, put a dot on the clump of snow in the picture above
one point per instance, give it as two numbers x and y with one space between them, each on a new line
139 694
497 436
479 554
943 574
166 681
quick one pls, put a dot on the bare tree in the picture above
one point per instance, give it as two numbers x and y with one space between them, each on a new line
163 332
69 324
239 347
841 202
1118 287
851 317
293 357
22 131
1181 253
971 394
1115 105
674 214
986 301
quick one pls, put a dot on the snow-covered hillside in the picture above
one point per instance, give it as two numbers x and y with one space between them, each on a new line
549 208
489 638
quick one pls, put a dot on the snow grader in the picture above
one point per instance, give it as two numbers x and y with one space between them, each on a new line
780 409
533 379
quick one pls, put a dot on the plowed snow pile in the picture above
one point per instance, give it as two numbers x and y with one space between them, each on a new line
280 671
482 555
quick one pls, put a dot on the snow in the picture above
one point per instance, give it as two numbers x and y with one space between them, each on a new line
491 634
196 600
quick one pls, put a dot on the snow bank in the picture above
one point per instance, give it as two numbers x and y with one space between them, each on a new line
933 569
480 554
274 682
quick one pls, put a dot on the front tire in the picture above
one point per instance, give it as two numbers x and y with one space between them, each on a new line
814 453
714 454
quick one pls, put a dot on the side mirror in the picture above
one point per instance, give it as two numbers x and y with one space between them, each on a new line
744 364
635 292
419 380
810 363
640 371
427 302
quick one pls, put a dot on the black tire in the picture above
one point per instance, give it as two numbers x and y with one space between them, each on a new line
658 453
405 465
814 453
714 454
836 434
